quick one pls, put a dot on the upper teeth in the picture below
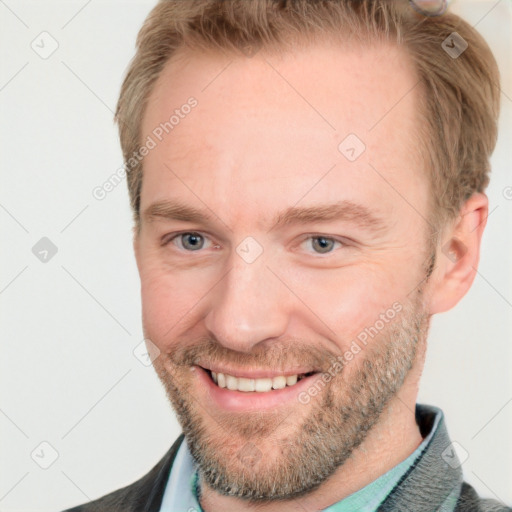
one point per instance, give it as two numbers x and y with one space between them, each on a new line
224 380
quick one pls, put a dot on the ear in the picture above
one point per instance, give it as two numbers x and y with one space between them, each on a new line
458 254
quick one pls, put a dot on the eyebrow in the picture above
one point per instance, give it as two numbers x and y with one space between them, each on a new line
342 210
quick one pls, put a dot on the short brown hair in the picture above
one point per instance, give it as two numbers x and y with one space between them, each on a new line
460 99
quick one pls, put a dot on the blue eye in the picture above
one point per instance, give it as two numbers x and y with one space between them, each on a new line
193 241
190 241
322 244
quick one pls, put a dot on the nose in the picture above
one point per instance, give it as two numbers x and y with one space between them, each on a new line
249 306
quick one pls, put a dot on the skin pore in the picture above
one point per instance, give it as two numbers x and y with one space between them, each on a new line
262 140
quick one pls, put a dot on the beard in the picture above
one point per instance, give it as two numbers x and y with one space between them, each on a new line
267 456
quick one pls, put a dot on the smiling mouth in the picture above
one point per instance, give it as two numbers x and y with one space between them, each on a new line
264 385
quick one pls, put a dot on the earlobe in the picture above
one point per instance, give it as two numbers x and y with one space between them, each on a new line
458 255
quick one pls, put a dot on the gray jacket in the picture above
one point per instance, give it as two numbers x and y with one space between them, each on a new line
433 484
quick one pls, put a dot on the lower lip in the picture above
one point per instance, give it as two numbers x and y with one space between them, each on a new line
240 401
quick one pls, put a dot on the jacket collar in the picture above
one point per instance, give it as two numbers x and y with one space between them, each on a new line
436 475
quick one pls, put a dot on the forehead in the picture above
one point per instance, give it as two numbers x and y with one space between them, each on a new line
323 122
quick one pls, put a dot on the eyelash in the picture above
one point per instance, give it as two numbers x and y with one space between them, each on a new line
170 238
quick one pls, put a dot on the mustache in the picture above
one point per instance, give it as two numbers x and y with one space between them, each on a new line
273 355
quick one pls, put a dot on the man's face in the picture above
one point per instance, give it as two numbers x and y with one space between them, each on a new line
312 195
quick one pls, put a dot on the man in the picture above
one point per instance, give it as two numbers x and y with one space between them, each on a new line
307 181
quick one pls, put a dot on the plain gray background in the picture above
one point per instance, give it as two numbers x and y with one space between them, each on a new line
70 323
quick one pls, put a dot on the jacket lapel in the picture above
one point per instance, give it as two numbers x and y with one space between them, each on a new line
154 483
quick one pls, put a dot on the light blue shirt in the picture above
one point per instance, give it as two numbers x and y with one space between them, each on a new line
180 495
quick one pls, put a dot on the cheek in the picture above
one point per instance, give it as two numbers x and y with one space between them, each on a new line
352 299
168 302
